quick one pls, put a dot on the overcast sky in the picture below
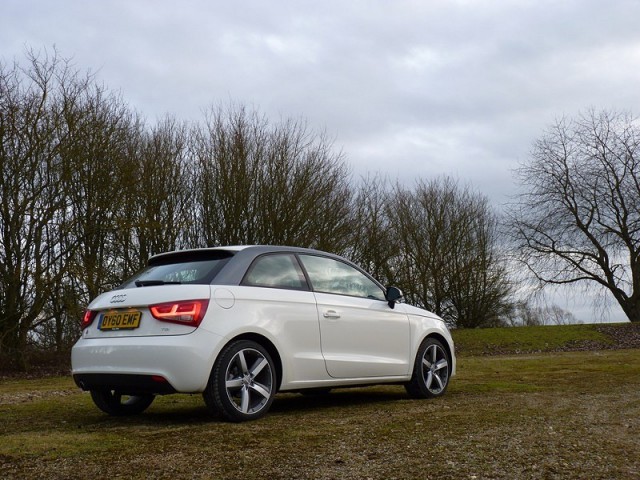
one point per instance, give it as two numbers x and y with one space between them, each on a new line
407 88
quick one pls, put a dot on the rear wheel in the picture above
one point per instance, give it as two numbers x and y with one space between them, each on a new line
431 370
117 404
243 382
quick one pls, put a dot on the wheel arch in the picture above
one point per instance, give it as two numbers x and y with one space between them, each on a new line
266 344
445 343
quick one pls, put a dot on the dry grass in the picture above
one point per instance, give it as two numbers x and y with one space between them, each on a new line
563 415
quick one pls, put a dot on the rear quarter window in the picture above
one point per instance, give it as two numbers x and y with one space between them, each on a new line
276 271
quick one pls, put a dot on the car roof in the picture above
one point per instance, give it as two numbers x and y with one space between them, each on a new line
241 258
256 249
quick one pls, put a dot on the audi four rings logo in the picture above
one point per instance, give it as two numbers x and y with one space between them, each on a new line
118 298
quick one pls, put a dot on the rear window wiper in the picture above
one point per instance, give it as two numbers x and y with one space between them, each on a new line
153 283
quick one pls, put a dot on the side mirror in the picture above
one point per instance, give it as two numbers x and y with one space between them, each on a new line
393 295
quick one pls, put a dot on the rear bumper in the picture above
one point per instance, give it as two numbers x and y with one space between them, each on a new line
184 361
126 384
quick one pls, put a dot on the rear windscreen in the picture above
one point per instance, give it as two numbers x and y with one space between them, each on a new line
180 268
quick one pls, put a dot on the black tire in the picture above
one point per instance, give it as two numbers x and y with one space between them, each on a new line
243 383
431 371
116 404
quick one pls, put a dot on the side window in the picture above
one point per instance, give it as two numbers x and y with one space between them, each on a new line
276 271
331 276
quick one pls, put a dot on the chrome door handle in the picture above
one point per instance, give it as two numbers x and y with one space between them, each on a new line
331 314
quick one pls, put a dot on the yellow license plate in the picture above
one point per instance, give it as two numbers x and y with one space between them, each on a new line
121 320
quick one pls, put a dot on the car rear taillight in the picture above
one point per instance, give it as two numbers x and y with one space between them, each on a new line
190 312
88 318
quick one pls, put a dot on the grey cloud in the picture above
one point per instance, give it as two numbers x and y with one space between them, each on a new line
421 86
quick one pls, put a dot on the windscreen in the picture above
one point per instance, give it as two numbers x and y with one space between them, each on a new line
180 268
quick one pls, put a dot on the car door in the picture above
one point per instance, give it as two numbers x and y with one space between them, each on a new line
361 336
277 296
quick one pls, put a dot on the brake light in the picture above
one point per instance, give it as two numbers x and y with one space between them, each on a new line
189 312
88 318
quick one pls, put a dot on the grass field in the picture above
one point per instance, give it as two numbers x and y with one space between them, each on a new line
542 415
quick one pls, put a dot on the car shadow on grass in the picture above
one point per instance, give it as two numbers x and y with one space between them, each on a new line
338 398
178 410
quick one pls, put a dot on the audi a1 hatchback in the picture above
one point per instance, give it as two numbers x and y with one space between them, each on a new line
239 324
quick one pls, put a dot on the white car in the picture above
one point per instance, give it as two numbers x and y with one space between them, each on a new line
239 324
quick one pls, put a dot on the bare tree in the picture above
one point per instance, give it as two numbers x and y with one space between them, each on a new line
98 190
65 170
522 314
525 313
450 260
158 195
33 205
579 219
304 194
259 183
374 245
555 315
226 153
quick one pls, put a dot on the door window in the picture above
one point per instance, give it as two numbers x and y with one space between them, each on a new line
332 276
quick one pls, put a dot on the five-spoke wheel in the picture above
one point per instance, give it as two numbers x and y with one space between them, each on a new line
242 383
431 370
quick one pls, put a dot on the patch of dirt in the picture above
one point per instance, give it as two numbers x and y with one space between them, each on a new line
24 397
624 335
621 335
35 371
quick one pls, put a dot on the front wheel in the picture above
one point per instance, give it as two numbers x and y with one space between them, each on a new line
243 382
116 404
431 371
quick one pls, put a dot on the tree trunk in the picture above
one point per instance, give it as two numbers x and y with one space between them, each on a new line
632 309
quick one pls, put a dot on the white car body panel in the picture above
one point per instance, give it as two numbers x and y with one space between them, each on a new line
287 318
362 337
184 360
